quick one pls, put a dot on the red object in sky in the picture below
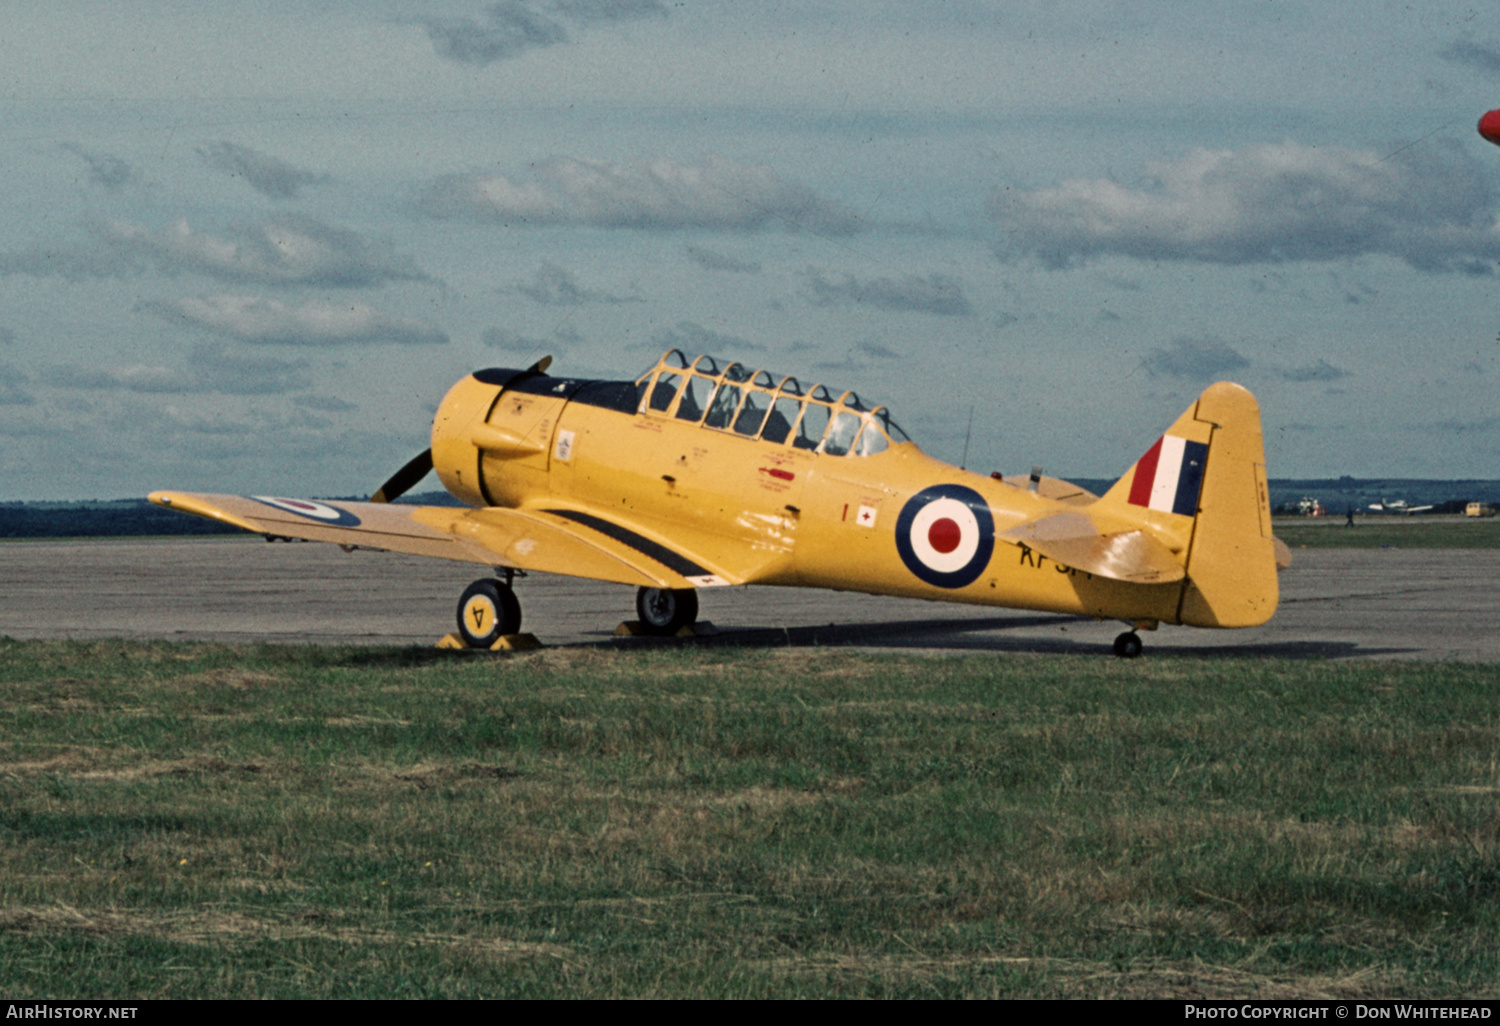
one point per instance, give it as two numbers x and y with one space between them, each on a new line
1489 126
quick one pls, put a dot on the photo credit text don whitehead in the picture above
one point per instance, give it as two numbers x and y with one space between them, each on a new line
1343 1010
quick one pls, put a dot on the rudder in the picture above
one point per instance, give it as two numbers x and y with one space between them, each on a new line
1201 489
1232 558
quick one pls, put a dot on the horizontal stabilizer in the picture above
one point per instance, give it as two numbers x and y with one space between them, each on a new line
1073 540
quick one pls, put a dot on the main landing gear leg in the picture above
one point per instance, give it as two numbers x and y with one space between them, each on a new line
488 610
664 611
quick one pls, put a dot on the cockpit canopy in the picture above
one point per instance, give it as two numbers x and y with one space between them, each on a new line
754 403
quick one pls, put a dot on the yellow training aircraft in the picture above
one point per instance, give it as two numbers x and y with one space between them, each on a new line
705 473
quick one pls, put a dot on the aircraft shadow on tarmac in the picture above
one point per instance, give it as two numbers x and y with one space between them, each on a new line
958 634
984 635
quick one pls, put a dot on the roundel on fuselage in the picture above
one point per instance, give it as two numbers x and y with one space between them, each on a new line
946 535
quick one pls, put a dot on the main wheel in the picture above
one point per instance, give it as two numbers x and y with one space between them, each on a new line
664 611
487 610
1128 645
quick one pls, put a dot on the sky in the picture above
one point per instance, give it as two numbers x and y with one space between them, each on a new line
248 247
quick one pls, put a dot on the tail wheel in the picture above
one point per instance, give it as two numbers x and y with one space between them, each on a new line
487 610
1128 645
664 611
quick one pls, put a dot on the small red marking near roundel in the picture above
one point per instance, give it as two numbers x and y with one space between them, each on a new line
300 505
777 472
944 535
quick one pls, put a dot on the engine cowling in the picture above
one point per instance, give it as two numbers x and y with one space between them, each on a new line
490 446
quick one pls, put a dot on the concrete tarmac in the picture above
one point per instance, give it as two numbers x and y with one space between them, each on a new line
1335 603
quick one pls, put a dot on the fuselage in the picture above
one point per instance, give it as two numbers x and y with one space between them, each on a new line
762 480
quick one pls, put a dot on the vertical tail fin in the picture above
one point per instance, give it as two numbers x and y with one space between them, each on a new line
1202 489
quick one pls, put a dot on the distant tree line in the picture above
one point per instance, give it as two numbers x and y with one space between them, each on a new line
122 518
132 518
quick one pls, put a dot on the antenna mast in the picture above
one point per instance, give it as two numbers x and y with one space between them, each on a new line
963 464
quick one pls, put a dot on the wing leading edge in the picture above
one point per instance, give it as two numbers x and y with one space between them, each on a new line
562 541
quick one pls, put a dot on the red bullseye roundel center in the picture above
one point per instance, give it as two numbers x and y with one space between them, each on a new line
945 535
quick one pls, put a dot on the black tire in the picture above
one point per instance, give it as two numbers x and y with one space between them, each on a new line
1128 645
488 610
664 611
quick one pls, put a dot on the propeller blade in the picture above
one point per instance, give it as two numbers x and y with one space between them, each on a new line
540 367
402 480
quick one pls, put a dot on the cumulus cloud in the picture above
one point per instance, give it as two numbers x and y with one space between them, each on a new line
553 286
1429 206
218 369
858 356
588 12
319 323
130 378
265 174
512 27
325 403
12 390
508 30
712 194
1471 426
934 294
877 351
103 169
1320 371
1481 58
694 340
284 250
1195 359
211 368
713 261
513 342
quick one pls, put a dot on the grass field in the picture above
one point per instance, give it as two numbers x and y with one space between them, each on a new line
211 821
1390 531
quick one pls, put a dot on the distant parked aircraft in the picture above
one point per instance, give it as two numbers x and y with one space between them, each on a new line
1398 506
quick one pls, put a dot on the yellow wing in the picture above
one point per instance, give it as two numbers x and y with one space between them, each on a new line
571 542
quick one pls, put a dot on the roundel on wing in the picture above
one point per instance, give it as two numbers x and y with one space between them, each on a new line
319 511
946 535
